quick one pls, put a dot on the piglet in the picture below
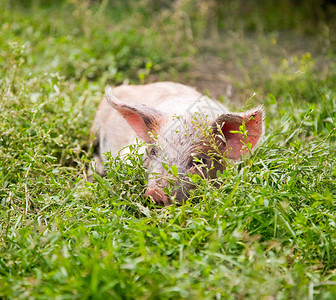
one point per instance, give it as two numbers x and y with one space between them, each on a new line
181 128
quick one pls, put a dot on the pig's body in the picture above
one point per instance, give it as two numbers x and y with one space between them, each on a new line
167 110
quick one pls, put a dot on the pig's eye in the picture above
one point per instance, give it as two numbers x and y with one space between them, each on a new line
152 152
199 161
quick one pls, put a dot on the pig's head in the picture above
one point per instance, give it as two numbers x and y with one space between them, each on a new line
195 144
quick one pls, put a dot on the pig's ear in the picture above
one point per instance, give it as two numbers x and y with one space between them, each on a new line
232 142
142 118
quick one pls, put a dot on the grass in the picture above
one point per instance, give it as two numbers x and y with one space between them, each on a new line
268 232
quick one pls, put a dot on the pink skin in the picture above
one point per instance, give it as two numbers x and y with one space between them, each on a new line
150 111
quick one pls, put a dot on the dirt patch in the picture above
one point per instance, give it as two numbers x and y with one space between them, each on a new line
234 66
215 77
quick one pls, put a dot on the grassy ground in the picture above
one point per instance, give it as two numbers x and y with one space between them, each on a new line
267 233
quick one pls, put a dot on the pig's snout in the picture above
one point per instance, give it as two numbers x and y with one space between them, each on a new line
158 196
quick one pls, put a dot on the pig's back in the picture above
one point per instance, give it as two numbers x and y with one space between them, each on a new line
154 94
